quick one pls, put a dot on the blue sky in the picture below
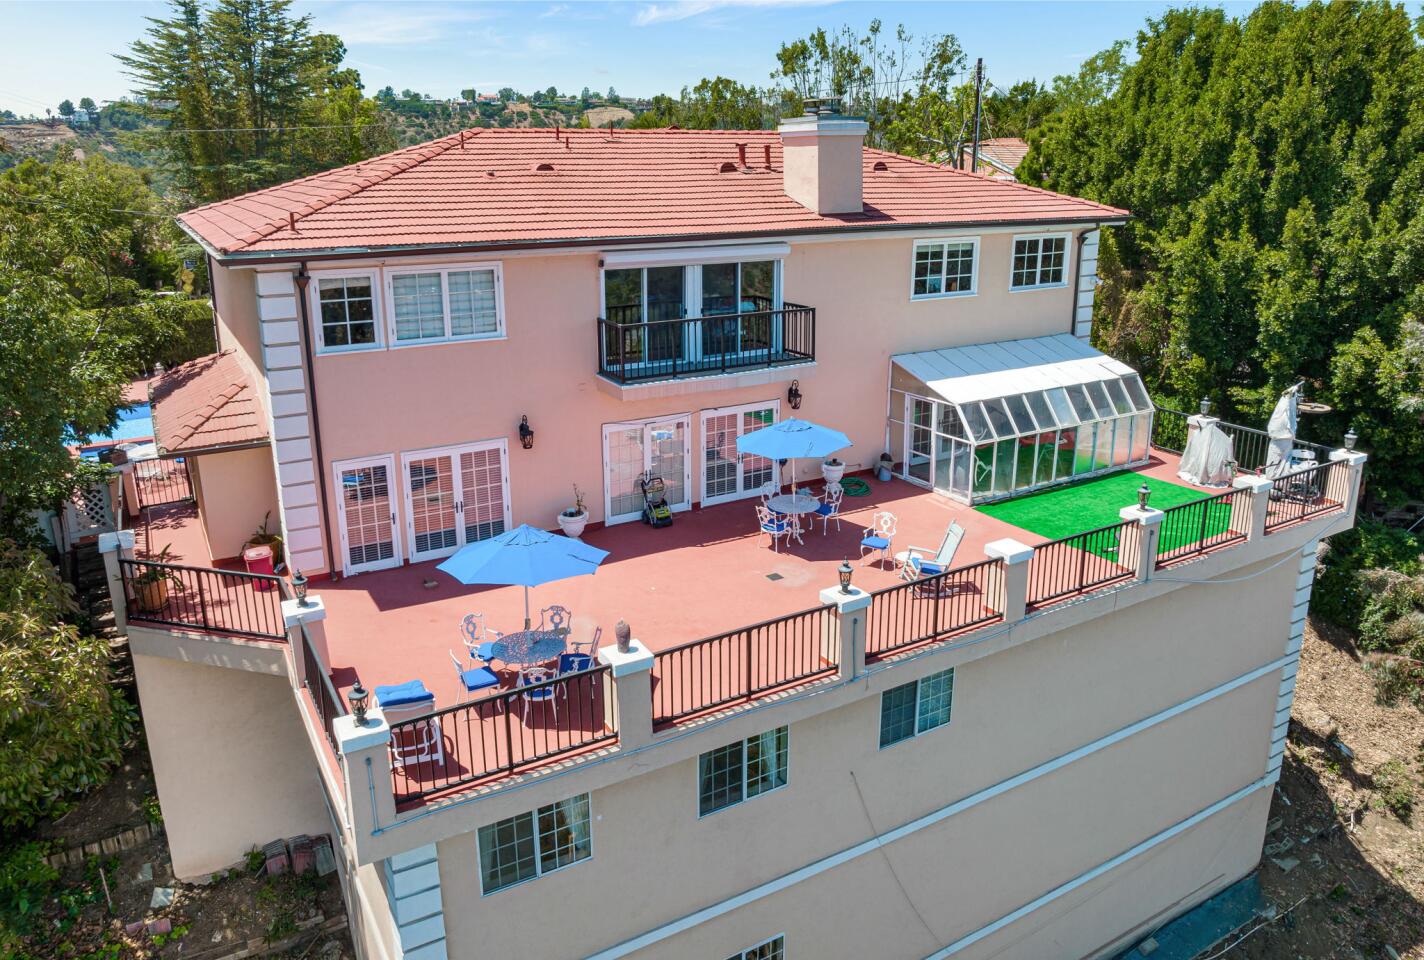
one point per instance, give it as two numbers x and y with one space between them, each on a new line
637 47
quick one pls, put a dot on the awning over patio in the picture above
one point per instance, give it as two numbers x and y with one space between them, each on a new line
1032 412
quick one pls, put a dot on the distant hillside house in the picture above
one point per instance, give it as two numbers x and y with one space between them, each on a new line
998 157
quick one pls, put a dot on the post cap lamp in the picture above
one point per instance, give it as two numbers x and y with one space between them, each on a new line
1143 492
299 587
845 572
357 698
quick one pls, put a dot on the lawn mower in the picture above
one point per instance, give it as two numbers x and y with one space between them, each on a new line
656 512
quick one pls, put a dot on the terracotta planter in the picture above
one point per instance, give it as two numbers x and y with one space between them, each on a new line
573 526
152 596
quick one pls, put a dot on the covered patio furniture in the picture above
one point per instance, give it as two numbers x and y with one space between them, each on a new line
419 742
475 678
1209 456
1281 429
524 557
919 563
880 535
546 694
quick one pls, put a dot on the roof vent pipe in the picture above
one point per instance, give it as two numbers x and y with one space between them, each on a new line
742 155
766 154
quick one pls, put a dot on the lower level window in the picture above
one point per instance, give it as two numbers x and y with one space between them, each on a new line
773 949
747 768
530 845
914 708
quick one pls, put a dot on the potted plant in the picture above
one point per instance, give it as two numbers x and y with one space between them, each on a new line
832 469
268 538
151 585
575 518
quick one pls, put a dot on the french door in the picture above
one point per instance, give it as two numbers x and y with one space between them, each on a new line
662 446
454 496
366 514
727 476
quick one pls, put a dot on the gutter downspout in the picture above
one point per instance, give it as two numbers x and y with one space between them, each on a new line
303 279
213 303
1077 273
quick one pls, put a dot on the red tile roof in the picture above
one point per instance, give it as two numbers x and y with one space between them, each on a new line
1005 153
204 403
488 186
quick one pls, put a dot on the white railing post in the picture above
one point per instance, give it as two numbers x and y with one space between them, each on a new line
114 547
366 769
631 706
313 617
1257 494
1011 596
1343 485
1137 548
844 638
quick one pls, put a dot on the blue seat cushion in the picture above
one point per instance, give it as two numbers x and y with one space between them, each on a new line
485 651
929 566
778 527
479 678
400 694
876 543
573 662
825 509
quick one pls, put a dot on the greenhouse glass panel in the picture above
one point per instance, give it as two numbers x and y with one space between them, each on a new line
1038 403
1102 450
1062 408
984 470
978 423
1136 391
1004 466
950 423
917 464
1081 406
1083 449
1018 409
1044 455
1099 396
1141 435
1118 396
1025 455
1122 441
999 418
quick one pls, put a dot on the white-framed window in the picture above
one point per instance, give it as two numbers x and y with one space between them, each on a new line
440 303
773 949
945 268
347 311
917 707
741 770
529 845
1040 260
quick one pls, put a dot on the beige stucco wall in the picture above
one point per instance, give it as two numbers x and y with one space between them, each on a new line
231 761
409 398
235 491
1012 711
236 299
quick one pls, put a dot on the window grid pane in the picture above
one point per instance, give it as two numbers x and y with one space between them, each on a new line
929 269
564 833
766 761
771 950
721 778
936 693
959 268
897 714
347 313
472 303
418 306
507 852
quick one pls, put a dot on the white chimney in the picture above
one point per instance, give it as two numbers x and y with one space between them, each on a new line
821 159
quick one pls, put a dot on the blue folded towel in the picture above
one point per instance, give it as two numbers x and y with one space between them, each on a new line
399 694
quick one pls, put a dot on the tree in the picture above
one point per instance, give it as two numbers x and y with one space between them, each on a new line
552 93
1274 166
1023 107
507 94
613 96
237 87
62 724
469 94
66 108
87 104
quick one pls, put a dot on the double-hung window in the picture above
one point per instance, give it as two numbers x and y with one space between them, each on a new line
346 308
944 268
530 845
1039 261
738 771
773 949
455 303
914 708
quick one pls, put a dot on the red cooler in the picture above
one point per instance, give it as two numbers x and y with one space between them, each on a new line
259 560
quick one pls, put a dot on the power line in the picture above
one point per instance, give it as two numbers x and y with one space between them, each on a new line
336 126
8 195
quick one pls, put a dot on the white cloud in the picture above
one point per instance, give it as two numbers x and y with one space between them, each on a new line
554 10
396 24
675 10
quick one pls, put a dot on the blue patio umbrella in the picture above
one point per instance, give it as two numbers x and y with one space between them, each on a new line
791 440
524 557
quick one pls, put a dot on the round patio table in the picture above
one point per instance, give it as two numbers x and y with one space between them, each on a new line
524 647
794 505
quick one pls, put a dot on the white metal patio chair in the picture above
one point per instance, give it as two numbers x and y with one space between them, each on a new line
879 536
478 640
555 619
830 508
773 524
532 676
589 646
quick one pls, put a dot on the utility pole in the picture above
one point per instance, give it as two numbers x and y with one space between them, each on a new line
978 96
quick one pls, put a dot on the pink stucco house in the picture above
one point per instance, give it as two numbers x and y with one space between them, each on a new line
427 349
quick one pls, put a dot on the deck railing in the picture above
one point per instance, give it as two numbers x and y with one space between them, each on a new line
1194 528
501 734
1077 564
1301 494
933 608
217 601
317 681
715 671
1249 445
633 350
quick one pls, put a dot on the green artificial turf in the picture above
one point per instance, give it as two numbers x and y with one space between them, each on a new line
1064 511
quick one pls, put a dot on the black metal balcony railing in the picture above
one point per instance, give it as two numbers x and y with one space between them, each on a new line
1250 446
632 349
199 598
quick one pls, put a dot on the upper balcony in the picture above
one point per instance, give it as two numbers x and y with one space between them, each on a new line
747 337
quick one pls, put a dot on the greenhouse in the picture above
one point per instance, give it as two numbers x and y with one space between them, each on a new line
993 420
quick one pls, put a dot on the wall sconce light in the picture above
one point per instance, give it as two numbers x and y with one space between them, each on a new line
299 587
1142 494
357 698
1351 438
845 572
526 435
793 396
